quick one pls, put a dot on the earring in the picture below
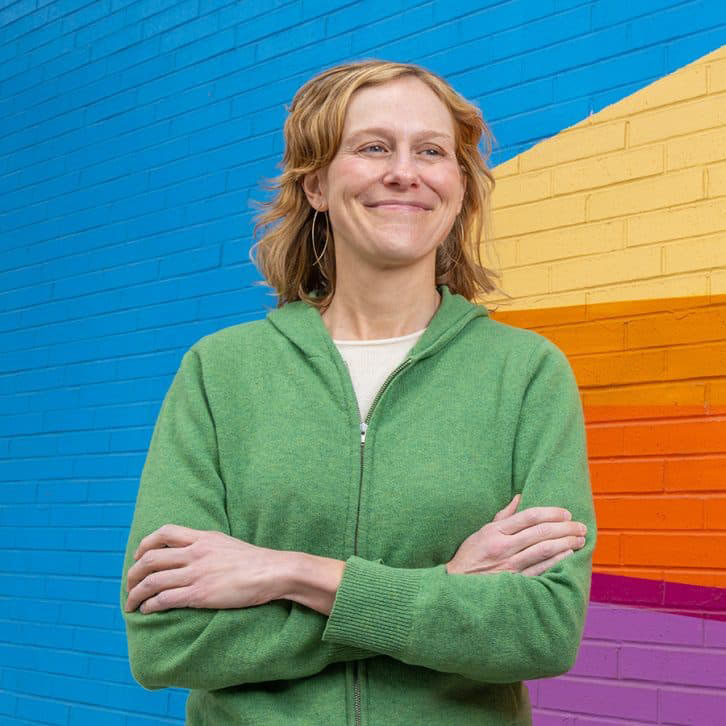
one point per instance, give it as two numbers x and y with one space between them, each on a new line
444 246
312 240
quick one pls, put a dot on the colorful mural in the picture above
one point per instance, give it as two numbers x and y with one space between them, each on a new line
135 138
611 237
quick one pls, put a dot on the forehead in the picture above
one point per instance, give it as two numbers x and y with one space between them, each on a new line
404 104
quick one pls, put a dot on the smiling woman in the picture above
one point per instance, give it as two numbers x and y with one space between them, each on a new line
328 526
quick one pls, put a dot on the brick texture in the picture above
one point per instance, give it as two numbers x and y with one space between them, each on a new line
135 135
649 173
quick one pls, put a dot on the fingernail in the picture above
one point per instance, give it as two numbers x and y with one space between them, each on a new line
568 515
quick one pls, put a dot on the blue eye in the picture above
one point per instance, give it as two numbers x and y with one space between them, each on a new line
380 146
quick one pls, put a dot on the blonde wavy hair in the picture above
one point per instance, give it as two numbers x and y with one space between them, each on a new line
285 254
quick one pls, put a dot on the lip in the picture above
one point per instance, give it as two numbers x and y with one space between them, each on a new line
400 206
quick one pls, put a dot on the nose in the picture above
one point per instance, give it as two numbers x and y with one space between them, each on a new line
401 169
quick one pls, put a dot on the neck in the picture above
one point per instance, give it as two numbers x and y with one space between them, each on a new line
372 312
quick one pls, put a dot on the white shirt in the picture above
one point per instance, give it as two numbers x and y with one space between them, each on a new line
370 362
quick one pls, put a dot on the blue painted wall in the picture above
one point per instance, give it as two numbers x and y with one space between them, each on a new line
133 135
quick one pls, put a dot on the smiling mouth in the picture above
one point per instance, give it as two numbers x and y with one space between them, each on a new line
399 207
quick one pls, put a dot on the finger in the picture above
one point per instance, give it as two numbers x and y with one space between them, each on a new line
169 535
155 560
543 532
177 597
541 567
531 516
510 509
542 551
156 583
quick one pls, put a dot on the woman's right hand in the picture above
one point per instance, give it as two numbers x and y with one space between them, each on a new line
528 542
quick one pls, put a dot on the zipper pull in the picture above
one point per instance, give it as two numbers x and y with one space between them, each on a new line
363 429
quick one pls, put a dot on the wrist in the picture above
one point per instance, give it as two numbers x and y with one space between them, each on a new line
313 581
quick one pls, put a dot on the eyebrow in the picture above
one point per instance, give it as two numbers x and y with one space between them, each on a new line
386 132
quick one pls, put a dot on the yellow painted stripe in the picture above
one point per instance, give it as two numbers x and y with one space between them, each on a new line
628 204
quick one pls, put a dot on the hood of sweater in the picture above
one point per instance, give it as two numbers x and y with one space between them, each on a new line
303 325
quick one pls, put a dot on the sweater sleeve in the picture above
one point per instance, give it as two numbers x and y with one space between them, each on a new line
502 627
204 648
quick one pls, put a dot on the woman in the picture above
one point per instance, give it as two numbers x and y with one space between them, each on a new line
326 526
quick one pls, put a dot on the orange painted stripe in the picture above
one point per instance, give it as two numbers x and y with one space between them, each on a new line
539 317
649 513
652 377
659 475
620 413
607 550
674 550
698 473
642 352
677 436
626 476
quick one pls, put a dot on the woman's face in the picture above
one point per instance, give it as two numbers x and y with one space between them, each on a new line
394 187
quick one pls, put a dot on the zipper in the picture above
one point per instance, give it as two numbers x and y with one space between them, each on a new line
363 430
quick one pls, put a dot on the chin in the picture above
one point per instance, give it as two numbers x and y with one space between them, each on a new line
404 252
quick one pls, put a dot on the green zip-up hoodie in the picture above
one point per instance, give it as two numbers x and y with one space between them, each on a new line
259 436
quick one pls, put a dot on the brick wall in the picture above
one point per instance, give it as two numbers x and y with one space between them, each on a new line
134 136
627 204
612 241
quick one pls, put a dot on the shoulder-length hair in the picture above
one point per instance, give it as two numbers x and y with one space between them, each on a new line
313 129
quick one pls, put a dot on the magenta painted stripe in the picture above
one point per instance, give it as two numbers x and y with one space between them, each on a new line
668 597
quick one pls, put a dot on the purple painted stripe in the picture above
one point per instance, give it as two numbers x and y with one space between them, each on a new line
641 625
596 659
542 718
704 708
714 634
680 666
586 721
670 669
668 597
617 699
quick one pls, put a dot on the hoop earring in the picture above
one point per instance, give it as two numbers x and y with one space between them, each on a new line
453 261
460 225
312 241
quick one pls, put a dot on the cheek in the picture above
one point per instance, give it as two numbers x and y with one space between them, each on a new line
349 176
448 185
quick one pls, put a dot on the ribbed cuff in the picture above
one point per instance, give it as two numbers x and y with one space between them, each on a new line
374 606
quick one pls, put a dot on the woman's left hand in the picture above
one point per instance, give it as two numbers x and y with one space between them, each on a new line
179 567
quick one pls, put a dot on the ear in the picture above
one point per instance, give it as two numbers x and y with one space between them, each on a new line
314 186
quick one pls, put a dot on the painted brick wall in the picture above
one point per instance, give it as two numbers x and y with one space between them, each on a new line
638 667
133 137
612 236
626 204
652 383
